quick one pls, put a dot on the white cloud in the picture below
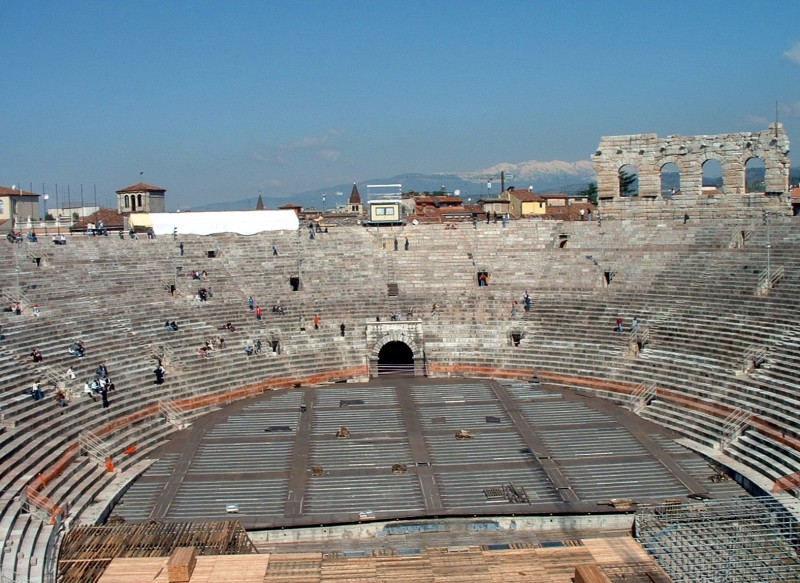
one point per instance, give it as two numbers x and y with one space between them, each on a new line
755 120
793 54
313 142
790 109
306 143
329 154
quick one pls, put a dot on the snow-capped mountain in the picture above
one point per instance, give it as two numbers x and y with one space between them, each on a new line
553 176
538 174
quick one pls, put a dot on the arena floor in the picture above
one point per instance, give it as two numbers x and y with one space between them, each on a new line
534 450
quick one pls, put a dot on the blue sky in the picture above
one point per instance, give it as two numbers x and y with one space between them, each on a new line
216 100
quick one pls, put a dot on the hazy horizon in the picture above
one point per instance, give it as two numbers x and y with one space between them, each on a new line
223 101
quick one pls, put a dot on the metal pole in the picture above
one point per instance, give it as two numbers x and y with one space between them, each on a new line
769 246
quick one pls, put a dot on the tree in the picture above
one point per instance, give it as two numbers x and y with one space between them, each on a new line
626 183
590 192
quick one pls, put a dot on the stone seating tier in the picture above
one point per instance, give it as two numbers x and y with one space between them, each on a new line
684 282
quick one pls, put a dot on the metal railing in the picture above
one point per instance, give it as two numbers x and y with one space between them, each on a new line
641 397
172 414
768 278
94 446
733 426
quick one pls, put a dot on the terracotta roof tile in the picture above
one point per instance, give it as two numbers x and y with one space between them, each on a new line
527 196
142 187
111 220
5 191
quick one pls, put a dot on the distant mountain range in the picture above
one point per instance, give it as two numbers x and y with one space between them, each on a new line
544 177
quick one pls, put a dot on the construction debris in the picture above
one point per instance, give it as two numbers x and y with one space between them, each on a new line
463 434
343 433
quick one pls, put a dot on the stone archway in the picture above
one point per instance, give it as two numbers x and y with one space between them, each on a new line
649 153
397 349
395 358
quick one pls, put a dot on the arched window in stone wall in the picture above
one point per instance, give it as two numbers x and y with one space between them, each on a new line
139 196
127 201
628 180
754 175
670 179
712 177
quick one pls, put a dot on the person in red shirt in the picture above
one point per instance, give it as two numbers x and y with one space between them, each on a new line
258 312
316 321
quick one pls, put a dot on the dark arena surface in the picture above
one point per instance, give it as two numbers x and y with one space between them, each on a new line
532 450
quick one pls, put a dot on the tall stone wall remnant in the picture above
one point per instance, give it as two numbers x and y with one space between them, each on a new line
649 154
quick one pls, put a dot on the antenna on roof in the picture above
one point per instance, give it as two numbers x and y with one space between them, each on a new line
776 118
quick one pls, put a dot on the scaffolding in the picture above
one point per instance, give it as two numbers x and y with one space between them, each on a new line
737 540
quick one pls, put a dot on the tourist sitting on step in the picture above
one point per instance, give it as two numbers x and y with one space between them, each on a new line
36 355
248 350
36 391
220 342
87 390
229 327
61 398
101 371
32 237
77 348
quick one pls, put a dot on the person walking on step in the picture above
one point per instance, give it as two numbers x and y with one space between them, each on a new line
274 251
251 303
160 372
618 324
395 243
342 328
258 312
181 248
406 244
685 218
316 321
302 323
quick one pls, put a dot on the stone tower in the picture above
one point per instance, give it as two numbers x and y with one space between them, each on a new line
354 204
141 198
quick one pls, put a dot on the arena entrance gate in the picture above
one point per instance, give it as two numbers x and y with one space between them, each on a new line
395 348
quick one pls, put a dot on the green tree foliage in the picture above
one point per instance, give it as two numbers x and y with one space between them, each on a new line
626 183
590 192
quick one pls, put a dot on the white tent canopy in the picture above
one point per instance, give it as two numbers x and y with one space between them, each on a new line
202 223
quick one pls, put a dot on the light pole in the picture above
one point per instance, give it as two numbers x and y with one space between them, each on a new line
45 198
323 201
769 246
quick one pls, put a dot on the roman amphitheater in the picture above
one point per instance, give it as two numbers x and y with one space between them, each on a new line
467 439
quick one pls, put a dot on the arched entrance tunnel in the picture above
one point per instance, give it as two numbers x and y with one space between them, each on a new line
395 358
